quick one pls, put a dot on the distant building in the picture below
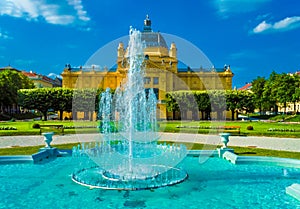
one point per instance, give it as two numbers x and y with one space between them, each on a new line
42 81
39 80
164 72
9 68
247 87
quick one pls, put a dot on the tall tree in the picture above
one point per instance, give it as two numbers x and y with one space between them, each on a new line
296 95
172 105
40 99
203 101
10 82
246 102
218 103
232 101
258 87
281 89
62 100
84 100
270 93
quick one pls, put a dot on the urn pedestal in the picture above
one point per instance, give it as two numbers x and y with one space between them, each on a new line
224 139
48 138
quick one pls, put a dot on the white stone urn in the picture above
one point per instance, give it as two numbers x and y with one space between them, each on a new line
48 138
224 139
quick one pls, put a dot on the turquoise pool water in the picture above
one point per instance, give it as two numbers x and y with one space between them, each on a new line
213 184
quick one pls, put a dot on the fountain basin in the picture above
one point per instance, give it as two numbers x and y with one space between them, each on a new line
95 177
212 184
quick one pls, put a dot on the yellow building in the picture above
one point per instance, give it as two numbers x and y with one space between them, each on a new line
40 81
164 72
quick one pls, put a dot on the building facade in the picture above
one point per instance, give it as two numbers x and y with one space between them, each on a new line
163 71
42 81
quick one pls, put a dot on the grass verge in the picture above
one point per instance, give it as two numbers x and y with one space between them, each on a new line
259 128
243 151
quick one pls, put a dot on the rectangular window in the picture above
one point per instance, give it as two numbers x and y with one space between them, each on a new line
155 80
147 80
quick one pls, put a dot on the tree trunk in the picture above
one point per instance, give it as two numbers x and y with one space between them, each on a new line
91 115
184 114
61 112
45 115
260 110
232 114
195 115
74 115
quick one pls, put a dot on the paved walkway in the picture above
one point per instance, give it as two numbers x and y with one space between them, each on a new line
288 144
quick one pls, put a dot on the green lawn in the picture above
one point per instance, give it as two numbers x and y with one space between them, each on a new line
26 128
259 128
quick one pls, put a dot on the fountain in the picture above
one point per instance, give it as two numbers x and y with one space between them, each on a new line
129 157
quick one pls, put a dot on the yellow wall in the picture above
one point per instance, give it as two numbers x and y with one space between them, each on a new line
159 66
42 84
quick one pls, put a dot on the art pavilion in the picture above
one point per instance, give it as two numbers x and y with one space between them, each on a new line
164 72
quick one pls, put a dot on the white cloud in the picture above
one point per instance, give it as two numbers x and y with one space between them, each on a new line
228 7
288 23
65 13
263 26
4 35
77 4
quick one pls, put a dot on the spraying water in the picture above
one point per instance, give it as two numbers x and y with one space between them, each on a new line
129 156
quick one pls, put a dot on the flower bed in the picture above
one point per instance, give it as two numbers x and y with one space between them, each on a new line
79 127
7 128
282 129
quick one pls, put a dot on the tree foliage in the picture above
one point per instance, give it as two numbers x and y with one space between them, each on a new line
258 86
40 99
10 82
277 90
60 99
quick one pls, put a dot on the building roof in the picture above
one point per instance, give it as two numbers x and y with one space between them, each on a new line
9 68
183 68
38 77
154 39
246 87
91 68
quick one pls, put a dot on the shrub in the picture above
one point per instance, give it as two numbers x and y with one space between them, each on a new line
36 125
250 128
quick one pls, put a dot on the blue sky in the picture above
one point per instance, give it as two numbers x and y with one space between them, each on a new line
254 37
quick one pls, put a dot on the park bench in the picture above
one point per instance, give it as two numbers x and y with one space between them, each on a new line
49 128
